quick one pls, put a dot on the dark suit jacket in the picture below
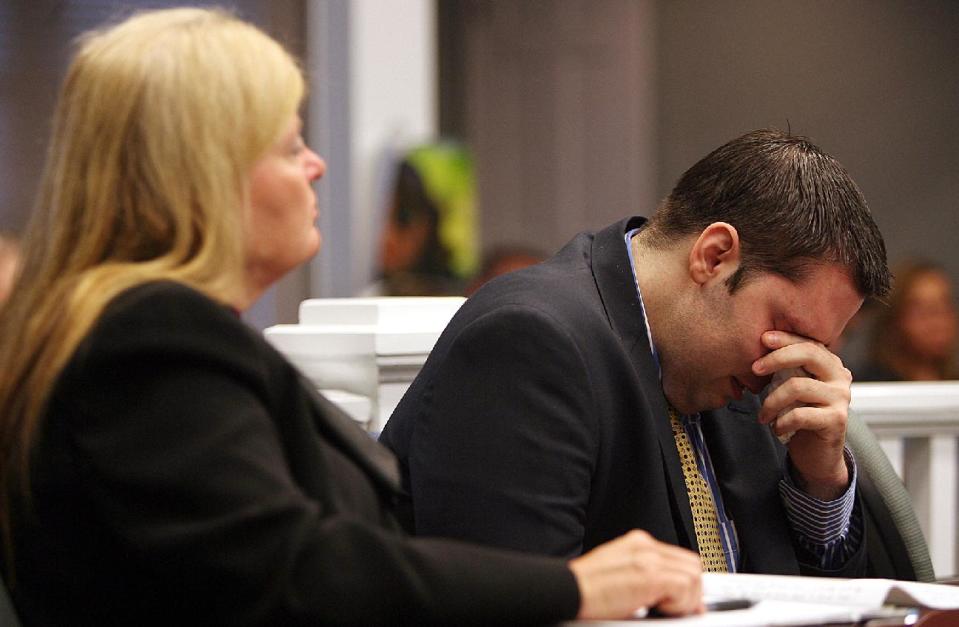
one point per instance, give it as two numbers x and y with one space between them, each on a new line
539 423
186 475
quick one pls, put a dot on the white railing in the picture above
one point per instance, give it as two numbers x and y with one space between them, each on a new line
365 352
917 425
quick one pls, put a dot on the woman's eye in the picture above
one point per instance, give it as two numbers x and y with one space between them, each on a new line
297 146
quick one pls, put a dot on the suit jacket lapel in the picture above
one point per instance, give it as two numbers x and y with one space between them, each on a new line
617 289
375 459
751 493
659 410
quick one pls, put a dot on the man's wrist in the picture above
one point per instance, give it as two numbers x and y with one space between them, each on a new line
826 488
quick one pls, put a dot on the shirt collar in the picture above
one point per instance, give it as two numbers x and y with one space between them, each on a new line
632 266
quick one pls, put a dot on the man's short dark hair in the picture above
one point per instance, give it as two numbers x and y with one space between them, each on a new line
792 204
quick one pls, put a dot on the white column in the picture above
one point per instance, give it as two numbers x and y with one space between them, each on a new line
892 446
373 74
943 469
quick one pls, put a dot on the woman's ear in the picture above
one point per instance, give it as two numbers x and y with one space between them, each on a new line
715 255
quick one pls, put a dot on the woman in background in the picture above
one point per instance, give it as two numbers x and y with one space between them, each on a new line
9 260
428 245
159 461
915 337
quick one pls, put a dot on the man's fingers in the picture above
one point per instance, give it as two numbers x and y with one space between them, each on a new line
812 409
778 339
798 391
811 356
806 419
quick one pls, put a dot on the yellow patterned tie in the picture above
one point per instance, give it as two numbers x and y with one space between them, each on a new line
705 521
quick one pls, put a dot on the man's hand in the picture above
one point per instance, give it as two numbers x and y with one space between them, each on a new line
815 407
637 571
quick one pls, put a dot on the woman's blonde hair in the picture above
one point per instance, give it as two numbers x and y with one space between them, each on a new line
159 121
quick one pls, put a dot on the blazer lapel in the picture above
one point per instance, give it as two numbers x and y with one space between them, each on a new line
373 457
617 288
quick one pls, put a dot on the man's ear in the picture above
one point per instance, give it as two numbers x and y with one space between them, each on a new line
715 255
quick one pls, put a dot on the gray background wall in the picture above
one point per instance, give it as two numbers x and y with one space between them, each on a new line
874 83
35 45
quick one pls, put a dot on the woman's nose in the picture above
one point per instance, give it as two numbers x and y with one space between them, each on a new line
315 165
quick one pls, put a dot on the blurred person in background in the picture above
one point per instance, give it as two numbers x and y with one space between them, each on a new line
915 337
502 260
9 263
428 247
160 462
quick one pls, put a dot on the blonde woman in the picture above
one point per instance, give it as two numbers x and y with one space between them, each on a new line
160 462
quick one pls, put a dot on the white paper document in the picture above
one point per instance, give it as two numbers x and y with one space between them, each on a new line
763 614
870 593
792 601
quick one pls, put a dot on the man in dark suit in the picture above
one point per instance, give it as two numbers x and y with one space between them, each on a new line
616 385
